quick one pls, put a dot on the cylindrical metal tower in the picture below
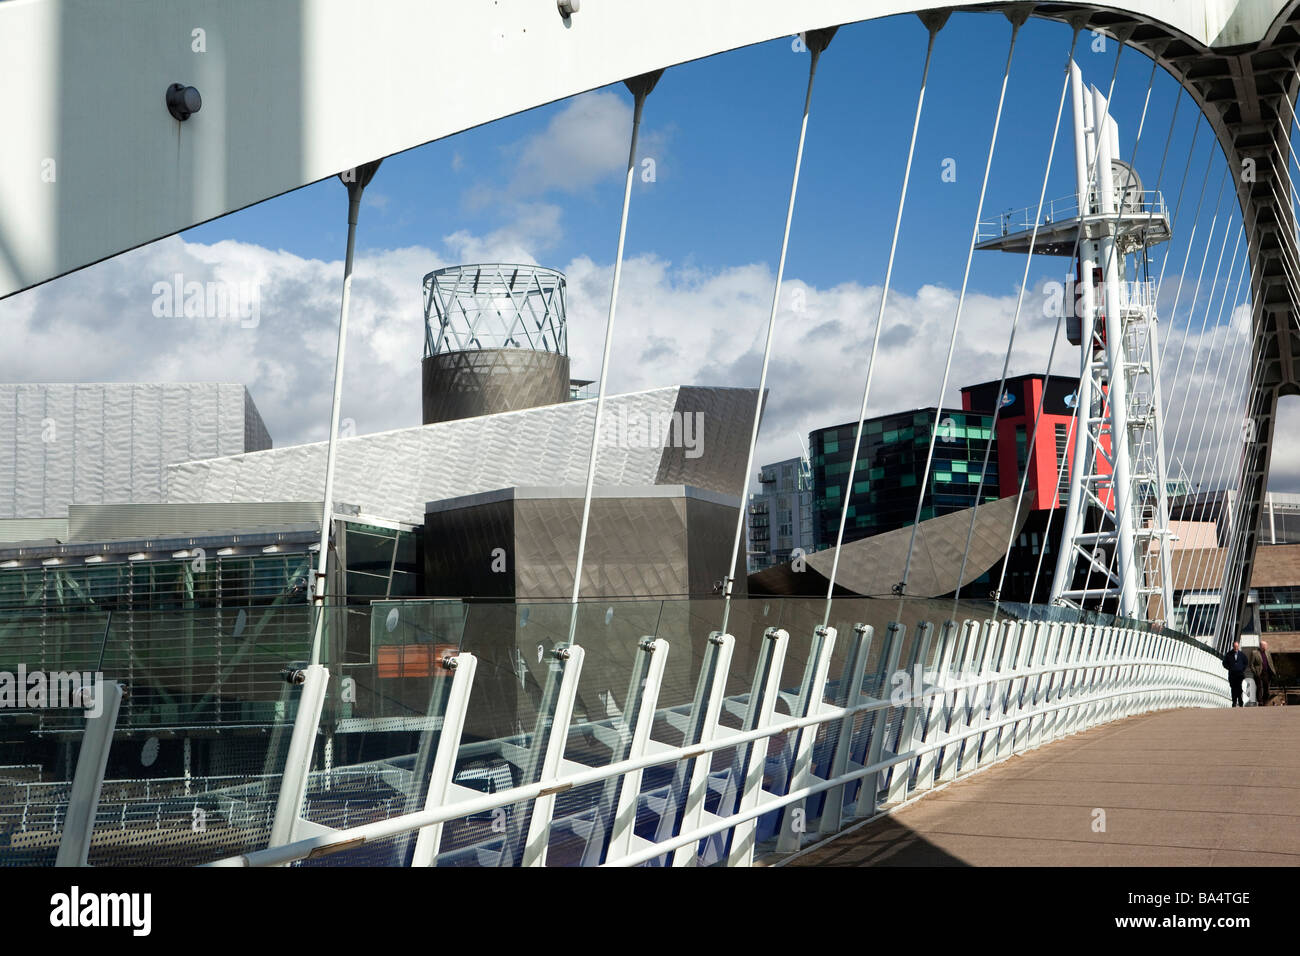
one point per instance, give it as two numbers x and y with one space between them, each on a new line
495 340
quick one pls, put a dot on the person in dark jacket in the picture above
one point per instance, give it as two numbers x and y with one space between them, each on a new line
1264 673
1235 662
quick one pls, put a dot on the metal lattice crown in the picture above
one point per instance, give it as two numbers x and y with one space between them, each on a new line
494 306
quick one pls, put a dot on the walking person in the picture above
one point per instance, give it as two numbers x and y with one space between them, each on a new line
1264 674
1235 662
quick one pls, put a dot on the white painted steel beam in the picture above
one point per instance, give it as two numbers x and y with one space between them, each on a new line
296 91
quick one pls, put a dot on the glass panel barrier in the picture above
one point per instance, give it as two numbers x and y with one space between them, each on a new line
199 750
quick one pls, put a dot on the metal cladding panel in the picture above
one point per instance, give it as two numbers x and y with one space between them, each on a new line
524 543
708 439
8 449
16 530
872 566
134 522
636 547
256 437
30 455
712 530
460 554
91 444
117 428
394 474
488 381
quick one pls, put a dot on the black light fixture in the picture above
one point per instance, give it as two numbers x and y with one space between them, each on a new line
183 101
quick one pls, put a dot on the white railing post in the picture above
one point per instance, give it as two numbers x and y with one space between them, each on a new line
985 691
855 668
1031 639
1066 653
973 717
463 667
767 685
955 725
539 823
88 779
812 697
710 693
1042 683
869 792
1075 689
948 641
297 763
995 705
622 833
1007 667
912 729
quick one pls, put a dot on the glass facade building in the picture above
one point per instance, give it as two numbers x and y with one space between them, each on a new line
891 468
781 514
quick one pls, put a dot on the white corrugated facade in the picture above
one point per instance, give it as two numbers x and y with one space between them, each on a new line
110 443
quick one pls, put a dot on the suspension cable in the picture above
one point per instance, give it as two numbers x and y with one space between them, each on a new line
1223 427
816 43
933 23
641 87
1020 300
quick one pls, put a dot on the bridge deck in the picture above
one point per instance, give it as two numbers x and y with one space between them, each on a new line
1179 788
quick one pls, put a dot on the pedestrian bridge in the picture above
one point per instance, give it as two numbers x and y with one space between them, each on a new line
621 733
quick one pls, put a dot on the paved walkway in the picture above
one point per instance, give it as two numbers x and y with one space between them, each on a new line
1179 788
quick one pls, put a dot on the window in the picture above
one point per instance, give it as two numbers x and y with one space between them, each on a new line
1062 449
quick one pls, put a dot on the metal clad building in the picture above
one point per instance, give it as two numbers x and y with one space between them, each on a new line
111 443
396 473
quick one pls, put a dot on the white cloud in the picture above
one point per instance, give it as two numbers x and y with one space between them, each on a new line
676 325
585 143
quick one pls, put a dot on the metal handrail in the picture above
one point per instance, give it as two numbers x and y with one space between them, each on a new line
1064 209
1124 669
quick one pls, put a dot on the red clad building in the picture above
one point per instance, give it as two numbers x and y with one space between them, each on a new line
1053 442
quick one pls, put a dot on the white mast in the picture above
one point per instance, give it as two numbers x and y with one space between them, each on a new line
1117 471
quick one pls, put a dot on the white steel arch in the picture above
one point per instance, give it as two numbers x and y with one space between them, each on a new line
92 163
